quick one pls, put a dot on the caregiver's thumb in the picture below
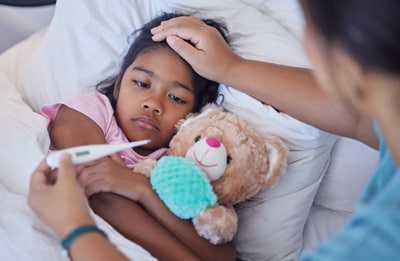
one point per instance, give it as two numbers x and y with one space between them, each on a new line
66 169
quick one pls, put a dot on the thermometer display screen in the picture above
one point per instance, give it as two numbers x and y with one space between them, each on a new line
82 153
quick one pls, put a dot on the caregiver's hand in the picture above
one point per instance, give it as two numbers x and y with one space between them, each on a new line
208 53
60 203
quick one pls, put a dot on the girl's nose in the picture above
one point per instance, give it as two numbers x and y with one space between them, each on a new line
152 105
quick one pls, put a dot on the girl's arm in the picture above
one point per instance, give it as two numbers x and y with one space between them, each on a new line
140 226
72 128
290 90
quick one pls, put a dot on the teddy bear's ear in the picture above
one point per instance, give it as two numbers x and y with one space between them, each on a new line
211 107
277 159
179 124
208 111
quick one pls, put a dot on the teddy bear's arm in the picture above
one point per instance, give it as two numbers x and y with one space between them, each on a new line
145 167
218 224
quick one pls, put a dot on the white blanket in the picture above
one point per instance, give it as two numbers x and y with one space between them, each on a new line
25 237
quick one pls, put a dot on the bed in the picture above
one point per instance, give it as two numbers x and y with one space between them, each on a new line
83 43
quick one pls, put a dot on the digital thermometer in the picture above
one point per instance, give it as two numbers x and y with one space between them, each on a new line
83 154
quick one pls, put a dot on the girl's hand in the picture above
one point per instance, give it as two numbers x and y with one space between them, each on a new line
208 53
57 198
108 175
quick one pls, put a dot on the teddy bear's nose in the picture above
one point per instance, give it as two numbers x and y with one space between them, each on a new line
213 142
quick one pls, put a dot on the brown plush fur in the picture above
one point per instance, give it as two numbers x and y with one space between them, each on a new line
257 161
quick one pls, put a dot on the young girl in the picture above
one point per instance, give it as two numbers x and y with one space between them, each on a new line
152 91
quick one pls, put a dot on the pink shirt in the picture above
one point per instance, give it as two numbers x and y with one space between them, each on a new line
97 107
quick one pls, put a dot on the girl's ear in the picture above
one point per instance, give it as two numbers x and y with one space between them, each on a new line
117 86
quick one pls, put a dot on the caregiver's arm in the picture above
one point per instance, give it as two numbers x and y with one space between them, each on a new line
288 89
61 204
294 91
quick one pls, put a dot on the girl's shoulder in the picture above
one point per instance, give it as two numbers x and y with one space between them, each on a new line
92 99
94 105
92 95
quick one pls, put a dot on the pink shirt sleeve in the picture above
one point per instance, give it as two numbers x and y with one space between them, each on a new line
94 105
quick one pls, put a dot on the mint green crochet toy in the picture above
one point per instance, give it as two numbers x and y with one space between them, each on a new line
183 187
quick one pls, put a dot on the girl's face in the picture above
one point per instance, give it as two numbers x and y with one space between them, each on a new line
154 93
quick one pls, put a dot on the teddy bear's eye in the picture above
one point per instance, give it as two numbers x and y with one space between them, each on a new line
228 159
197 138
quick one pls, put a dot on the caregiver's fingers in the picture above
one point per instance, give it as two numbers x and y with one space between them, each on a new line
40 175
185 27
38 183
185 50
43 167
207 52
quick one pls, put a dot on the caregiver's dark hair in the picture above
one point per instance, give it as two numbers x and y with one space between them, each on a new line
369 30
205 91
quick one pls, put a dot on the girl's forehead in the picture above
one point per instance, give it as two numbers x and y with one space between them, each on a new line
154 56
165 65
156 50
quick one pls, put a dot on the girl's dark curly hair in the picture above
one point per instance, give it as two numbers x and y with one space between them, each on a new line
205 91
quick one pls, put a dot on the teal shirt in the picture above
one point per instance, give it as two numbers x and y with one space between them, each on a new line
373 232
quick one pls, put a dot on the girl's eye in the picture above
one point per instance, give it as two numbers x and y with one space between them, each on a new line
141 84
177 99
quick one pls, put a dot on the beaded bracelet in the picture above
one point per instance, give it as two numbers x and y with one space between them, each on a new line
70 238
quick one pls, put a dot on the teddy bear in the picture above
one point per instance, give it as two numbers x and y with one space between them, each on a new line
215 161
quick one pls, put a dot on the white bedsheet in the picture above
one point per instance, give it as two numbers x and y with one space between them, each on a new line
25 237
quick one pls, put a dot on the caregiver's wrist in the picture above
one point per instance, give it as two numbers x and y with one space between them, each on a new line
71 225
232 71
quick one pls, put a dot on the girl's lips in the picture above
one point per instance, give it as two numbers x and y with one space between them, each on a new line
146 122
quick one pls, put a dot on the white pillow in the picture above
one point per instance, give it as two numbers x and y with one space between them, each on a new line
352 165
83 44
24 139
281 43
271 227
86 41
